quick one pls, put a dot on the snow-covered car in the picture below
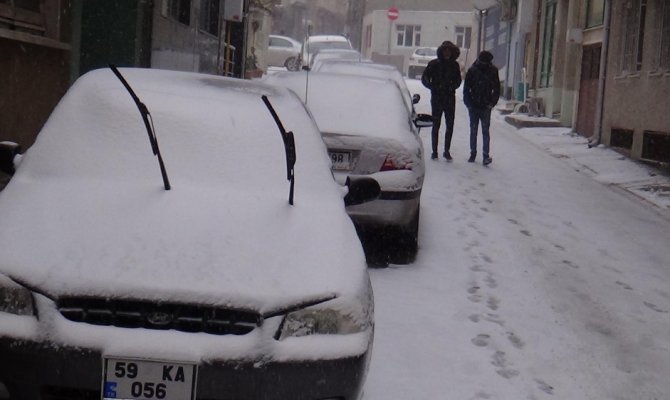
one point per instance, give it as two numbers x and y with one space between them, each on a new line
369 131
419 59
193 272
335 54
315 43
283 51
372 70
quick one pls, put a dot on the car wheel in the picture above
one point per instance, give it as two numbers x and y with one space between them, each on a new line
292 64
412 232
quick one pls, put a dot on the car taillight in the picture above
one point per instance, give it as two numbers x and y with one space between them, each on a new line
396 162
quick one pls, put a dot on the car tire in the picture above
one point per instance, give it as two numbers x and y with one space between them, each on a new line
411 232
292 64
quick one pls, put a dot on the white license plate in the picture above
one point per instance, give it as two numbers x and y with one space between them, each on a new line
423 61
148 380
341 160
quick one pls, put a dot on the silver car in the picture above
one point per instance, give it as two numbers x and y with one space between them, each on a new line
369 131
418 61
283 51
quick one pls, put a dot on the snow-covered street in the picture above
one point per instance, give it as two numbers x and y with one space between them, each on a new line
535 278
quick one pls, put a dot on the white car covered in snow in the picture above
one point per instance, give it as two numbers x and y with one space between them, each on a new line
372 70
188 274
369 131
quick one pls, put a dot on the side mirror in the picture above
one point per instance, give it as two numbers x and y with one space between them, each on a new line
361 190
416 98
423 121
8 150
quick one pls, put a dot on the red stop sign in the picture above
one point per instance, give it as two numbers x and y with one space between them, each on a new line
392 13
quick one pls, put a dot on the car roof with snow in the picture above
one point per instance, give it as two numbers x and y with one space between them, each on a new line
87 214
349 104
366 68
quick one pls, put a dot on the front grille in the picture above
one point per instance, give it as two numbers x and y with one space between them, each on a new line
162 316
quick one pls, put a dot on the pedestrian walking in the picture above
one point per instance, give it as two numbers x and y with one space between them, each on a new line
443 76
481 92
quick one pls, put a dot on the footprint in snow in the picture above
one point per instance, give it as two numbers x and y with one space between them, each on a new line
481 340
655 307
544 386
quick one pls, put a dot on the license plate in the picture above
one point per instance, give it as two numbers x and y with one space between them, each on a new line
341 160
423 61
147 379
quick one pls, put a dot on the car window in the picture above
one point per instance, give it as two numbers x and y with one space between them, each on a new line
279 42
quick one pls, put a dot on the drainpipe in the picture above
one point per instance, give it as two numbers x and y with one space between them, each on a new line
508 86
602 77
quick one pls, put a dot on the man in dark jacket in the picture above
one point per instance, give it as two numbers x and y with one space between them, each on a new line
443 76
481 91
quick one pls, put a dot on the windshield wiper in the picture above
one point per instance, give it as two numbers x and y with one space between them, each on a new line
289 147
148 123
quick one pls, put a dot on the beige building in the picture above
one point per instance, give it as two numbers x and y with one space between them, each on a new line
603 68
637 94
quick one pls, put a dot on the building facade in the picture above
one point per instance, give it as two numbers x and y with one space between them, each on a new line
419 24
637 91
36 52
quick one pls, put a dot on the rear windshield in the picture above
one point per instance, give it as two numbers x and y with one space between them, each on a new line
316 46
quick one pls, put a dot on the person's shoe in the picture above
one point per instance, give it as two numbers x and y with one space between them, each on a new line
472 157
447 156
487 160
433 156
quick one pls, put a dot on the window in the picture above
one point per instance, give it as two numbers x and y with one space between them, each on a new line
546 74
408 35
209 16
595 13
30 5
25 14
663 16
463 36
279 42
634 15
179 10
368 36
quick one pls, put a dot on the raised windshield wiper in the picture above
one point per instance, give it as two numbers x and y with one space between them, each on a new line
289 147
148 123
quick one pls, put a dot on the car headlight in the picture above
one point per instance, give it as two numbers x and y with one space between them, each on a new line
14 298
321 321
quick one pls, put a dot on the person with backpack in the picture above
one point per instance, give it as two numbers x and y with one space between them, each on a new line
443 76
481 92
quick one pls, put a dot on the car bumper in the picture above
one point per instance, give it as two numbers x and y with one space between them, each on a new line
396 209
42 370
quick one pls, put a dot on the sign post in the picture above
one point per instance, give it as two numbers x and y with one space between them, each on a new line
392 13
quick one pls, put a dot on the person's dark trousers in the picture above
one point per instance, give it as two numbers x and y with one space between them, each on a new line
440 105
477 115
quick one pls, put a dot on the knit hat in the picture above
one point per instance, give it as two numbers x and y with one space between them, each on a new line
485 57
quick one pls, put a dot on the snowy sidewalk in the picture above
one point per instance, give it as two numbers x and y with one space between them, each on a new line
601 163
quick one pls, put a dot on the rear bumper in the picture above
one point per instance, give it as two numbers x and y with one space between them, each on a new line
396 209
41 370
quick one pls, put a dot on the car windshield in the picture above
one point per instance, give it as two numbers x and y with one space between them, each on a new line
315 47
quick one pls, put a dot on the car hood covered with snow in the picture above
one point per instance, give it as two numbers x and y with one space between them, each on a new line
86 213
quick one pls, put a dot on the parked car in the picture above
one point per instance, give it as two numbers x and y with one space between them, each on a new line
369 131
419 59
283 51
335 54
314 44
203 275
372 70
